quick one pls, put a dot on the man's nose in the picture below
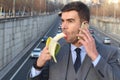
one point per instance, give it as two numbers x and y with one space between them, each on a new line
64 25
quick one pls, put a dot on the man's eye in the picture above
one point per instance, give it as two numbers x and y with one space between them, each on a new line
70 21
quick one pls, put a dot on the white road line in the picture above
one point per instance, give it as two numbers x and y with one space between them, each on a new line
19 68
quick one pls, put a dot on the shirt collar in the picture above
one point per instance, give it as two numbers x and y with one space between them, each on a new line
73 47
83 52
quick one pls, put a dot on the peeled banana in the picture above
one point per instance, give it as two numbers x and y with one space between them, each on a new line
53 45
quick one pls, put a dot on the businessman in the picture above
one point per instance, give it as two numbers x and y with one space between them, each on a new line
81 57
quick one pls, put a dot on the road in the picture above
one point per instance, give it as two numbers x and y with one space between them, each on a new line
20 73
100 37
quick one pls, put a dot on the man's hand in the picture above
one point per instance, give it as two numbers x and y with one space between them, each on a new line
44 57
88 42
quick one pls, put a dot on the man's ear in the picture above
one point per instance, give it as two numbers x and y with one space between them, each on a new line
59 14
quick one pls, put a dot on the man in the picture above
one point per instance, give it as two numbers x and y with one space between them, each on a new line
95 61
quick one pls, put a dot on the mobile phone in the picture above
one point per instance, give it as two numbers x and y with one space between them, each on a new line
84 24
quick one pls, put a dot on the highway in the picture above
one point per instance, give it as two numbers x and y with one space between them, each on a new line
100 37
20 71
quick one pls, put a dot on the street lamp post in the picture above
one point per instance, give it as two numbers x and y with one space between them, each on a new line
32 8
104 6
115 2
45 6
114 12
0 10
115 7
97 4
13 10
55 1
40 8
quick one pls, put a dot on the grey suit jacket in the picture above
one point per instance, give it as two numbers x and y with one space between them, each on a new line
108 68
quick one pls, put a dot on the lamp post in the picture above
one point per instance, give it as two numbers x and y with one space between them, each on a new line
0 10
13 10
115 6
97 5
45 6
104 6
40 8
32 8
115 3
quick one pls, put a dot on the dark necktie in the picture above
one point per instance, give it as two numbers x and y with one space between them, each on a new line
78 59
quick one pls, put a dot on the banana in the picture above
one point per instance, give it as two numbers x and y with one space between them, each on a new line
53 45
59 36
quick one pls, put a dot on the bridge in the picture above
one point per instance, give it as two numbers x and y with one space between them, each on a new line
19 35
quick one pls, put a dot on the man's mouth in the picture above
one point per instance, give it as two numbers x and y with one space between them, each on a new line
66 35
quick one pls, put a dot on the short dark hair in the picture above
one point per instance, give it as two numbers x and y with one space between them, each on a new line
80 7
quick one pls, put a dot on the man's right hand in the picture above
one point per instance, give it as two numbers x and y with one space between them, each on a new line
44 57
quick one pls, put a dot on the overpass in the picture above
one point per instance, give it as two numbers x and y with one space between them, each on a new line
18 35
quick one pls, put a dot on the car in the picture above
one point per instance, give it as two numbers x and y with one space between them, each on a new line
107 40
44 39
59 27
59 31
35 53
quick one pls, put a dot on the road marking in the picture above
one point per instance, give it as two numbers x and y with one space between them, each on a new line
19 68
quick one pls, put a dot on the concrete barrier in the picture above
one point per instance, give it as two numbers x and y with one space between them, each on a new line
17 34
108 26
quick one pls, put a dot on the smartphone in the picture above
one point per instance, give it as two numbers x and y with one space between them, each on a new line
84 24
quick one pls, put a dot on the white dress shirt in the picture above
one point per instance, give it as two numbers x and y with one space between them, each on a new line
83 53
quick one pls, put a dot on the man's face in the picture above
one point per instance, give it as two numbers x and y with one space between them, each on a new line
70 25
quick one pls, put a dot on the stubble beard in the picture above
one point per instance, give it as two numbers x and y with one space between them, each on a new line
74 39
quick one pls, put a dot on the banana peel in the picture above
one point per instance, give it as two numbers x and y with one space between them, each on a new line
53 45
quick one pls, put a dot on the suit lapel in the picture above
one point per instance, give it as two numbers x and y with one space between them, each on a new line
86 65
84 69
64 53
65 59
